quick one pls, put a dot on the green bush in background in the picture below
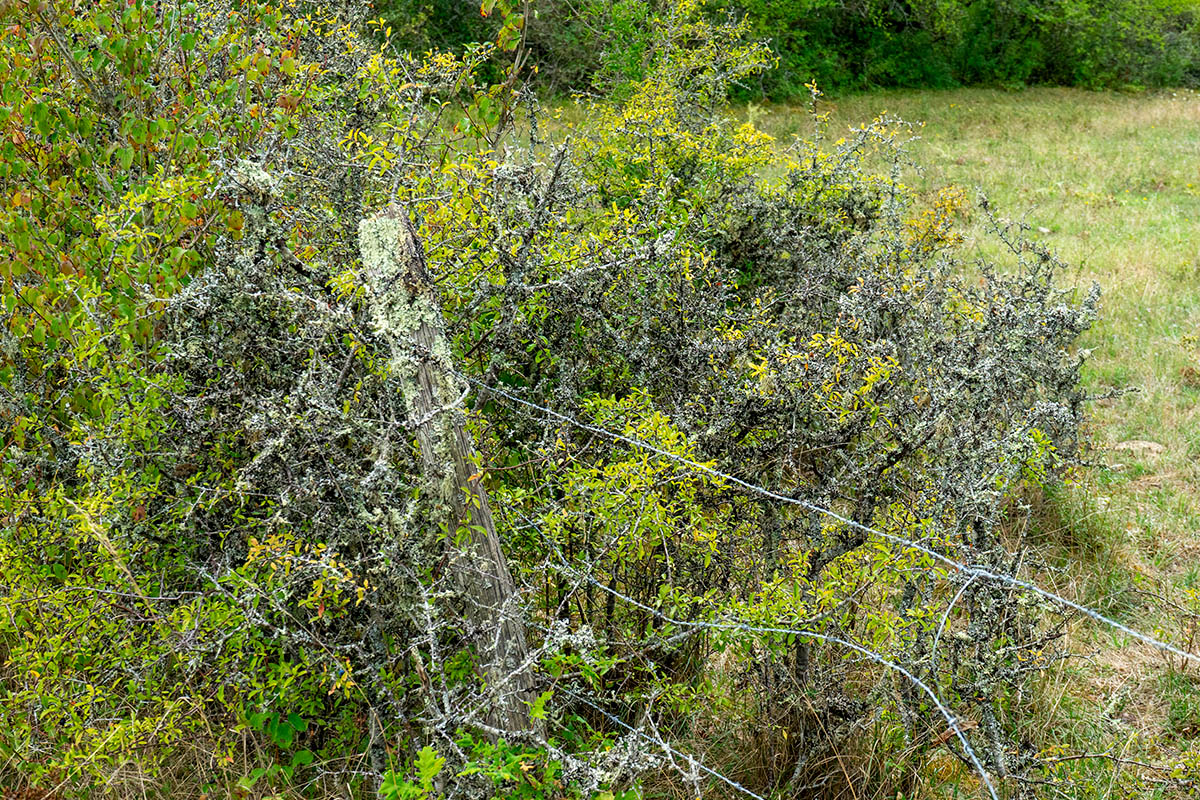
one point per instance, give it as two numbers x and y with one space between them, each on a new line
848 45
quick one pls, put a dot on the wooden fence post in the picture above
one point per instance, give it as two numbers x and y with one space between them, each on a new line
407 313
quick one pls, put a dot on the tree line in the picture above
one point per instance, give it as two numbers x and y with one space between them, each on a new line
852 45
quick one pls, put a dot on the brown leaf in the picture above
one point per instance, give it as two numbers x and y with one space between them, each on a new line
964 725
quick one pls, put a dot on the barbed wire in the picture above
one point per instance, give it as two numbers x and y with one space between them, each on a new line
659 742
969 570
951 719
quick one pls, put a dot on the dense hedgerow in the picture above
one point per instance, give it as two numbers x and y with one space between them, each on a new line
1012 43
849 46
222 567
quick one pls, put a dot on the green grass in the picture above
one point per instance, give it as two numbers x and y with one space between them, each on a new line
1112 183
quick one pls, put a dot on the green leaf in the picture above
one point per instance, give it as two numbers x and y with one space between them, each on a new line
510 35
537 709
297 722
429 764
302 758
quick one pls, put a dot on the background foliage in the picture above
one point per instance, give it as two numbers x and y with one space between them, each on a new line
847 45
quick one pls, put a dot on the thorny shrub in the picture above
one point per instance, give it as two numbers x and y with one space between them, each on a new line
221 566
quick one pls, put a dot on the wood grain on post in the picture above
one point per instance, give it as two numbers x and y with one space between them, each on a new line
406 312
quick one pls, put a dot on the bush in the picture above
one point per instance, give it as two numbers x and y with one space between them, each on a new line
572 44
1145 42
228 565
861 45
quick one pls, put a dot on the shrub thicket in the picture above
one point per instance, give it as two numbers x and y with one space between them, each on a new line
941 43
222 565
848 46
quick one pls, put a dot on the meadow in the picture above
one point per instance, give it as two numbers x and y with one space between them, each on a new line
1112 183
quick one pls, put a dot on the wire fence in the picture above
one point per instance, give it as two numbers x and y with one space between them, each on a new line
951 719
968 570
972 573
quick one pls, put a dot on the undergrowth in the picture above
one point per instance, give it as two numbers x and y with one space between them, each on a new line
764 450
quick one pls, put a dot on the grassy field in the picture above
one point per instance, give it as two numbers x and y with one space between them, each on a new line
1112 183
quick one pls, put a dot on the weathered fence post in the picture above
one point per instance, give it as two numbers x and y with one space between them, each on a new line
407 313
